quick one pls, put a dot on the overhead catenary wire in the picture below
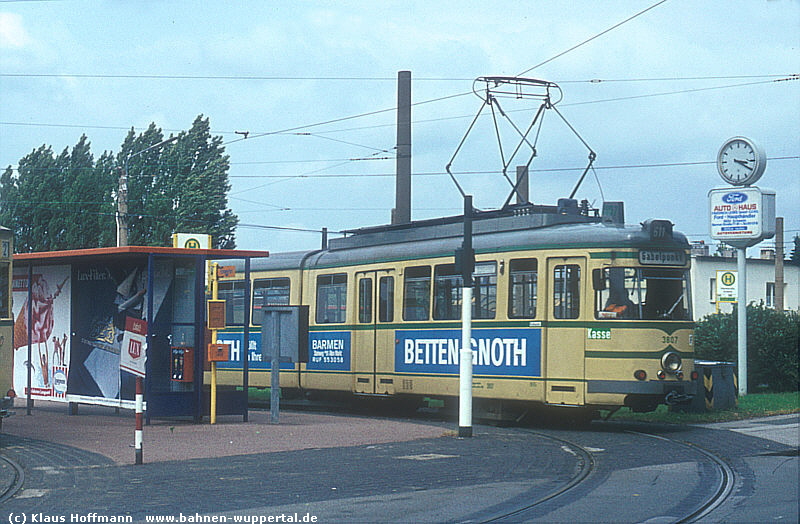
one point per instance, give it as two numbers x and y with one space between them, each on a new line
598 35
485 172
772 77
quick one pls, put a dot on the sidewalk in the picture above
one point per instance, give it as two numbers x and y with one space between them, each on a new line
102 430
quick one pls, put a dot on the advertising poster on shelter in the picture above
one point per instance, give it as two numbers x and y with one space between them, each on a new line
105 296
49 332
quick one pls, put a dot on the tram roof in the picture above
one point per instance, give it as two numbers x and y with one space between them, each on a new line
491 236
52 257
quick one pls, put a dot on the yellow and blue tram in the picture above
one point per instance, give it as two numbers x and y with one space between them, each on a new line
569 309
6 316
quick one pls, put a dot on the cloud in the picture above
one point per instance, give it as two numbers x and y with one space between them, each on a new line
12 31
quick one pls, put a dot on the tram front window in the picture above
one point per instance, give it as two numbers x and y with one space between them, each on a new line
641 294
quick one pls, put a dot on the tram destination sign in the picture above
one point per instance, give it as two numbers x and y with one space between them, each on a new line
742 214
657 257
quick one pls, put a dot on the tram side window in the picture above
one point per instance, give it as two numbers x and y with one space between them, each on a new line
485 294
5 311
447 287
617 293
386 299
365 300
642 294
523 280
269 292
232 292
566 291
417 293
447 283
666 294
331 298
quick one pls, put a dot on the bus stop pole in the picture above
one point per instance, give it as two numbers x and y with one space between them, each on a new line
138 436
214 296
29 366
741 309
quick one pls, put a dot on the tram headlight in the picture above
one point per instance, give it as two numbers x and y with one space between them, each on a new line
671 362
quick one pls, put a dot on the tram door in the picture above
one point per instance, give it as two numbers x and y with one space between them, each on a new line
372 347
565 338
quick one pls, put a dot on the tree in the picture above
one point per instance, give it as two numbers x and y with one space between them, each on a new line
181 187
56 203
88 205
795 256
29 198
69 201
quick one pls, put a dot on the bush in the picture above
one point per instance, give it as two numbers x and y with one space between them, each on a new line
773 345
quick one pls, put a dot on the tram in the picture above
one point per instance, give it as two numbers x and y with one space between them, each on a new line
6 316
570 308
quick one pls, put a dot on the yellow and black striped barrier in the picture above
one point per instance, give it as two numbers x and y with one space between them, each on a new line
720 386
715 388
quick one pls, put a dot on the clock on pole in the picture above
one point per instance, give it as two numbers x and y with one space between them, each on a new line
740 161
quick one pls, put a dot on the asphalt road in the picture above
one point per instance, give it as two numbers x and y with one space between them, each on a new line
616 472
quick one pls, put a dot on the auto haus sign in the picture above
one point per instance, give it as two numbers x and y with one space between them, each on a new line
745 213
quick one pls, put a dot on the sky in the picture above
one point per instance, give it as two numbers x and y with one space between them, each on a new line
653 88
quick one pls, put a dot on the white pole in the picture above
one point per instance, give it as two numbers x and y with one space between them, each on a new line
465 366
137 435
741 266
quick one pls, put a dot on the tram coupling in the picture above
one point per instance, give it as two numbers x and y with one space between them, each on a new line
673 398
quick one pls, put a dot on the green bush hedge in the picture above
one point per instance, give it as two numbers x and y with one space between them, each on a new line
773 345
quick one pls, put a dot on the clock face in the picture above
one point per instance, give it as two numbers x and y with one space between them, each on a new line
740 161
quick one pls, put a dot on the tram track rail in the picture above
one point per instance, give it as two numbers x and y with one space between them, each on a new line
725 484
586 465
18 481
721 491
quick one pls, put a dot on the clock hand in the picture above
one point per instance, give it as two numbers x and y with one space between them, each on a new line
743 162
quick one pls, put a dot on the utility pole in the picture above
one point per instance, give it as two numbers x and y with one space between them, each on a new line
779 280
122 207
122 193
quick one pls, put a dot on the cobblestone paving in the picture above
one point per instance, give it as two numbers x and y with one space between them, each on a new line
62 480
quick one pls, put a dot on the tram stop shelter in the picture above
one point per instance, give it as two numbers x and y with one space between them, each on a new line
80 302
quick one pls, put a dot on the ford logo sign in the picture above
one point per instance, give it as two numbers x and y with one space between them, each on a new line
734 198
